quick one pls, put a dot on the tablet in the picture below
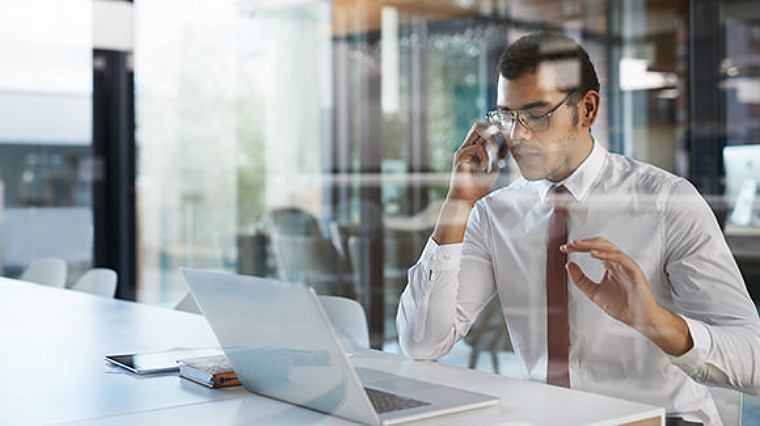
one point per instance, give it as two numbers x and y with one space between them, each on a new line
159 362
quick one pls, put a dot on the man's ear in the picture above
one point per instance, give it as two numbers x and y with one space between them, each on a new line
589 108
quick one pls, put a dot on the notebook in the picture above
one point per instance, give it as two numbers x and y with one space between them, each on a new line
281 344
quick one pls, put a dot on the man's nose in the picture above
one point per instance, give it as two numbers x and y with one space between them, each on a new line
520 132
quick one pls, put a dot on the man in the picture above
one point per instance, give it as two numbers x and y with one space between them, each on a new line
657 308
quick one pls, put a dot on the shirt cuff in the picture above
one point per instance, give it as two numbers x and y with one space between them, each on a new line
441 257
696 356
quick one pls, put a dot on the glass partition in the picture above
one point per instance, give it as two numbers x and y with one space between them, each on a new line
312 140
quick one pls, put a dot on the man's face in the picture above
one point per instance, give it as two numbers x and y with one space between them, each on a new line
550 154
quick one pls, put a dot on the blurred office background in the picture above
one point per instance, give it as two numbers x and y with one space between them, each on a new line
311 140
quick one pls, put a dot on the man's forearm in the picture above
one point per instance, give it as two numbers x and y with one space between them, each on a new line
668 331
452 222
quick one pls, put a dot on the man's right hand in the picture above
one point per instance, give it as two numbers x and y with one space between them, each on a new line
470 180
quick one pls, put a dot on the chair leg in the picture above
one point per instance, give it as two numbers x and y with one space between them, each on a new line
493 348
474 357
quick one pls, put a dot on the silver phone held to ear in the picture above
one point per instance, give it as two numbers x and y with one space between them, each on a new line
496 151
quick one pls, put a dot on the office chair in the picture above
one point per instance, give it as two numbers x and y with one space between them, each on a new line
97 281
313 260
291 221
489 333
50 271
401 248
349 321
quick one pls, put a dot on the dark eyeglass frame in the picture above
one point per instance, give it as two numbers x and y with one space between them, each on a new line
493 116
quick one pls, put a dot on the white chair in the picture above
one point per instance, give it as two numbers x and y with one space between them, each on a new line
349 321
98 281
49 271
729 404
346 315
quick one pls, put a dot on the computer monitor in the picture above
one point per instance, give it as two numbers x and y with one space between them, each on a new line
742 165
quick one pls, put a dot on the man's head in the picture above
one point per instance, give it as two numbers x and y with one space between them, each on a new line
548 75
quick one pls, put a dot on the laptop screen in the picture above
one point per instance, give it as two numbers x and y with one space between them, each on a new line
279 341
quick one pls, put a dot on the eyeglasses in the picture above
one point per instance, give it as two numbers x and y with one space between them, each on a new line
533 119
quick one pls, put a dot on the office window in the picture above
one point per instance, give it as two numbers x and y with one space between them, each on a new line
231 104
739 82
46 164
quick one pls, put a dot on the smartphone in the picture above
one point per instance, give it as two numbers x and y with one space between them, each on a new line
159 362
497 152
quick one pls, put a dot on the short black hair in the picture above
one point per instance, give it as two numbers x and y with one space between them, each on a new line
526 54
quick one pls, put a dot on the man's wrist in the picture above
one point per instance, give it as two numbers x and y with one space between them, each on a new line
452 221
459 202
668 331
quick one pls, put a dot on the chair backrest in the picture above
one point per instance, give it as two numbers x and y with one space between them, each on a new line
313 260
299 256
49 271
346 315
349 321
98 281
729 403
292 221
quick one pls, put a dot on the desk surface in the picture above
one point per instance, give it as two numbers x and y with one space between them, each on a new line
53 342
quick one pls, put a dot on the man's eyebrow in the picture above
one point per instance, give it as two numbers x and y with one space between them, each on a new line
524 107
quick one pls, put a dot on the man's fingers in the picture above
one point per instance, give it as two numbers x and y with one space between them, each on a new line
472 138
486 130
580 280
617 261
467 153
477 131
588 244
601 249
476 155
609 256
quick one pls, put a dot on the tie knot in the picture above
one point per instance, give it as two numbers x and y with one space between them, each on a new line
559 195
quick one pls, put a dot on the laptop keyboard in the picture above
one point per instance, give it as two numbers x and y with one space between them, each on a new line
385 402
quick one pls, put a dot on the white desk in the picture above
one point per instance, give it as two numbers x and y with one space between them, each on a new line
52 343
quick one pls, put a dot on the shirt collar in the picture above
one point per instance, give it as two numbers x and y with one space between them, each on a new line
579 182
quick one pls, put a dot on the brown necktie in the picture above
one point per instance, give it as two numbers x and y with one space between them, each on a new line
558 330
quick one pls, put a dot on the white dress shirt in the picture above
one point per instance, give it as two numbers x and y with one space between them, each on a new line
657 218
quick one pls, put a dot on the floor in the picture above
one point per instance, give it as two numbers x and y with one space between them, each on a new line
508 366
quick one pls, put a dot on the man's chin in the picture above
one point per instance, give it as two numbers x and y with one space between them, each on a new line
532 175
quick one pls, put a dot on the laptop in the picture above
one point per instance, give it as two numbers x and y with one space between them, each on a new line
281 344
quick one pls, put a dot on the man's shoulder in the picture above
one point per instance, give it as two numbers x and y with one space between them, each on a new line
643 175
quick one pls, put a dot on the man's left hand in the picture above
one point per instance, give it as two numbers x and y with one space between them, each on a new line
624 294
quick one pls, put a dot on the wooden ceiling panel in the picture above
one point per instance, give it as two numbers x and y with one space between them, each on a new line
359 16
